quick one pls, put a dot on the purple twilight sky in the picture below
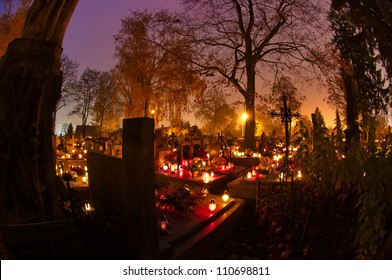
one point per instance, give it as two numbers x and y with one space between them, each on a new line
89 36
89 41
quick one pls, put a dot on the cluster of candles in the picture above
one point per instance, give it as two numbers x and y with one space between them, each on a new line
225 199
207 176
87 208
164 223
227 166
173 167
252 174
85 177
242 154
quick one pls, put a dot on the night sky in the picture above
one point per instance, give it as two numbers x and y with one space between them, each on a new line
89 41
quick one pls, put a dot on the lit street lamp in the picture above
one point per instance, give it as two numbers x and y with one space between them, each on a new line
244 117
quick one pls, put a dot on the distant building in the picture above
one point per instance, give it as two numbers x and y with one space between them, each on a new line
90 131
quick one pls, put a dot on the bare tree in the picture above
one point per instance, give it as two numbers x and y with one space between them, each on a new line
84 95
12 21
106 112
69 69
242 39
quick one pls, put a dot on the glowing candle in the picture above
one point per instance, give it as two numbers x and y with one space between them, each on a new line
87 207
253 173
249 175
206 177
212 205
225 197
164 225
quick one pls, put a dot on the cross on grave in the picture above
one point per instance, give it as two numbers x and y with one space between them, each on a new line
286 115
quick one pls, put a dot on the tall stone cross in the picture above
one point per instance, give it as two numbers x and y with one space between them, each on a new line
286 115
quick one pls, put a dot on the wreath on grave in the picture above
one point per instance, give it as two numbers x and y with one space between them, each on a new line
178 197
170 157
219 161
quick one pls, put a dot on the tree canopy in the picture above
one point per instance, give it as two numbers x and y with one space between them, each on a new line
106 111
153 78
359 58
214 112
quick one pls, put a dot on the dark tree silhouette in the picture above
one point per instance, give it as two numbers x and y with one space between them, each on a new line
30 83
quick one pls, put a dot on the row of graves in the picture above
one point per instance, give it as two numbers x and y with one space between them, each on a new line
195 159
194 203
133 212
215 161
198 191
254 177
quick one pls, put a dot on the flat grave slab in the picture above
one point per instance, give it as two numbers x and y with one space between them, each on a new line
197 235
243 187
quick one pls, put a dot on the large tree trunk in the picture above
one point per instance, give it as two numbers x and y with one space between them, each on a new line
250 124
30 84
352 131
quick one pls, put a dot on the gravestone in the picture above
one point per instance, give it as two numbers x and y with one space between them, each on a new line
139 174
125 190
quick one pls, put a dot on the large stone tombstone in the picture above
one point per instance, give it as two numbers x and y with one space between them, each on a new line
125 189
139 175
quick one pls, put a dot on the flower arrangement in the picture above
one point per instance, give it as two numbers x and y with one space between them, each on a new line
196 166
179 198
248 152
170 157
266 164
219 161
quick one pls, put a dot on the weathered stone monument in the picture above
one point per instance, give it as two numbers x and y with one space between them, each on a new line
30 83
124 188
